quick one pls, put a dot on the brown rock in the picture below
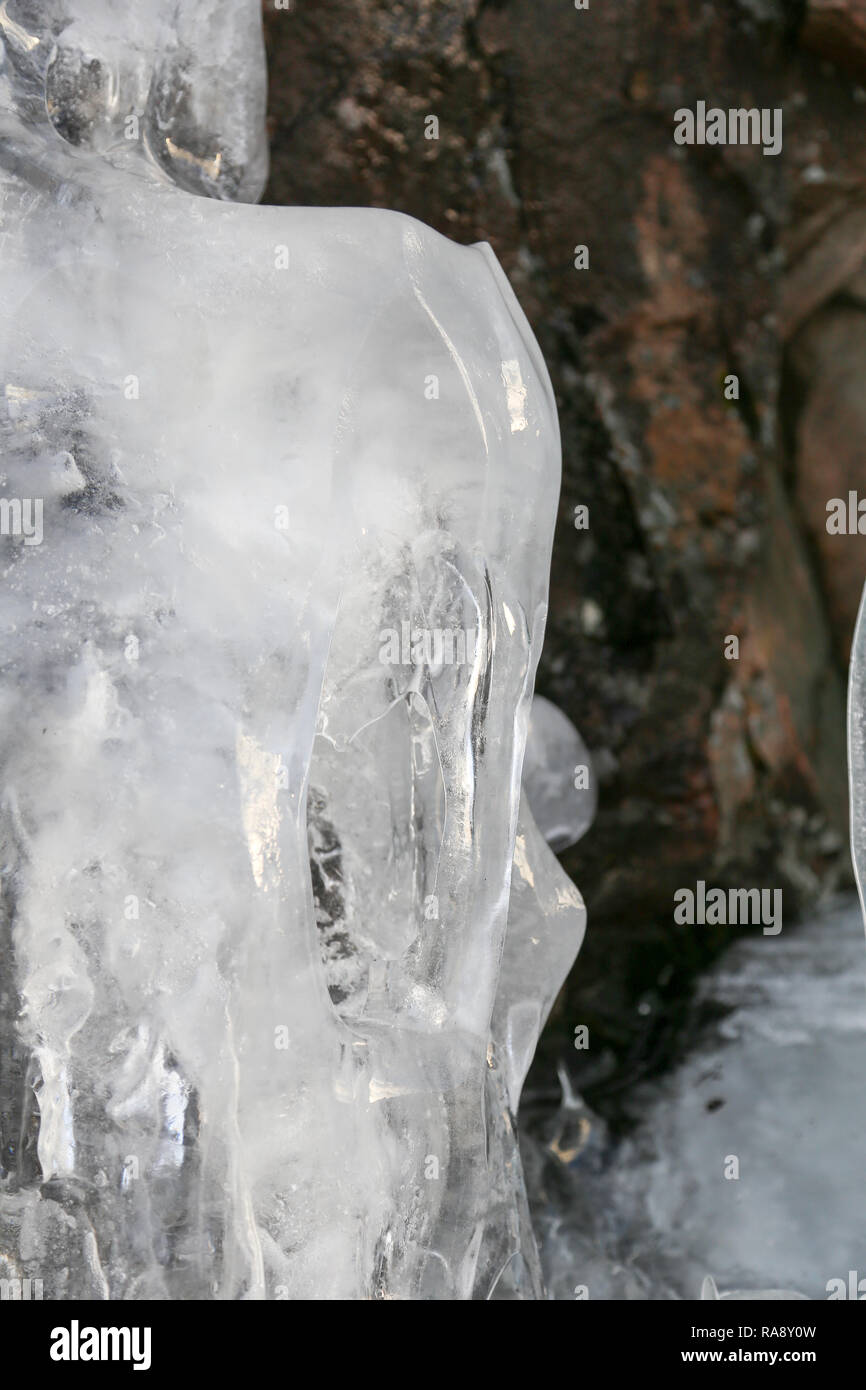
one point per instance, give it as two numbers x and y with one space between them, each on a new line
837 30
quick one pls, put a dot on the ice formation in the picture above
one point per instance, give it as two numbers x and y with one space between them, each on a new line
559 780
857 751
278 493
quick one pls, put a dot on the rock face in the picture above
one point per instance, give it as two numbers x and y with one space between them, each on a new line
837 29
706 515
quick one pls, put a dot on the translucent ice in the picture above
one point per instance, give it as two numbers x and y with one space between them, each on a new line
558 776
857 751
278 491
